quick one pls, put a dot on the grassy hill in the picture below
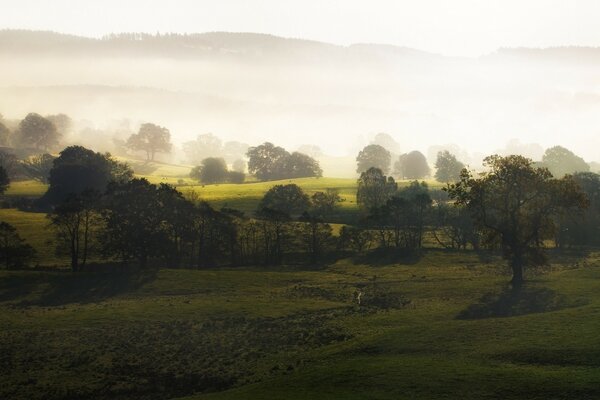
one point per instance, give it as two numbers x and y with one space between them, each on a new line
439 327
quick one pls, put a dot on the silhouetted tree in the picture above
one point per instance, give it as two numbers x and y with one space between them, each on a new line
38 132
264 160
62 122
315 234
236 177
447 167
298 165
355 239
515 206
561 161
412 165
133 222
76 220
373 156
374 189
152 139
77 169
210 170
288 199
323 204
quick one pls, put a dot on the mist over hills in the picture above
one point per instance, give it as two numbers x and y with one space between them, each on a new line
256 87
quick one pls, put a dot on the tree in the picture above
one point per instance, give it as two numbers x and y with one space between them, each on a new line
39 132
411 165
4 180
315 234
14 252
355 239
236 177
77 169
211 170
288 199
264 161
561 161
75 221
374 189
152 139
133 222
447 167
11 164
38 167
324 203
234 151
373 156
298 165
515 206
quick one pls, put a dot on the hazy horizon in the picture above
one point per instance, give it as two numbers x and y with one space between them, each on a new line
463 86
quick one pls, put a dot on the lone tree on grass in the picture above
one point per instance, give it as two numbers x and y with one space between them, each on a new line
447 167
516 205
373 156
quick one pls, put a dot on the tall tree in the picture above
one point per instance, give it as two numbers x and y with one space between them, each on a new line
373 156
515 205
4 180
289 199
76 221
374 189
447 167
77 169
412 165
38 132
264 161
152 139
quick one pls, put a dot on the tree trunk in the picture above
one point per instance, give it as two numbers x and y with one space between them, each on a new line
517 270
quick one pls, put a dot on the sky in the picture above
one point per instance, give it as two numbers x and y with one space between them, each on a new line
450 27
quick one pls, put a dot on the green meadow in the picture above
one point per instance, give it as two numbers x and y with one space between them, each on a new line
439 325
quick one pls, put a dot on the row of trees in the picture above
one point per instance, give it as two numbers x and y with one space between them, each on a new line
413 165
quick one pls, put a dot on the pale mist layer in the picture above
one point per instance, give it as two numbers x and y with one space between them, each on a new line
255 88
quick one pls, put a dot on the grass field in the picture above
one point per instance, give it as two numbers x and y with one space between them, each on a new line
440 327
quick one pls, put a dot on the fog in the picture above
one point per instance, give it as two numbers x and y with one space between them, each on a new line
255 88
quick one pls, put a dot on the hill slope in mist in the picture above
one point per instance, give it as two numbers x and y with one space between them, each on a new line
254 87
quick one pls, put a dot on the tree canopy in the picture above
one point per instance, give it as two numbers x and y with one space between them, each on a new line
38 132
411 165
270 162
447 167
515 205
151 139
373 156
561 161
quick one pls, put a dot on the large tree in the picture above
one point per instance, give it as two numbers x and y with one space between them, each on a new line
75 221
265 161
77 169
151 139
298 165
411 165
373 156
447 167
374 189
38 132
516 205
561 161
211 170
4 180
289 199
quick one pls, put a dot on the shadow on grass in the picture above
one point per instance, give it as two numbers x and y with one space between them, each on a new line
386 256
59 288
517 301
